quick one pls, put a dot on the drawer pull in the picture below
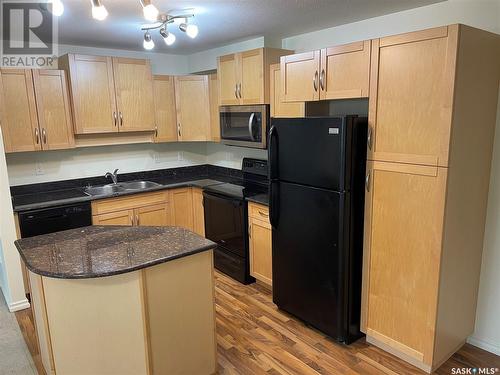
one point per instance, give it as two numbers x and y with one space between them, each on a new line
263 214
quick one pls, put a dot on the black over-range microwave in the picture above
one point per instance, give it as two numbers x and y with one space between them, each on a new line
244 125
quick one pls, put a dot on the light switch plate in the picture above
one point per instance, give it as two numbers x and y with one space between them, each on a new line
39 169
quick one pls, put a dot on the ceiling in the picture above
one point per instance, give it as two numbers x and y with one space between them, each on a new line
220 21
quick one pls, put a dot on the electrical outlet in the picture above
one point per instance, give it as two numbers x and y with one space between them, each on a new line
180 156
229 155
39 168
156 157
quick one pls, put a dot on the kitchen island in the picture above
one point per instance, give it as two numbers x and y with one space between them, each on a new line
123 300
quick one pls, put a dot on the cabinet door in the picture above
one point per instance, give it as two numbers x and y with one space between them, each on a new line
251 66
134 94
259 233
198 212
213 88
54 116
228 72
411 96
124 217
300 77
19 121
93 94
345 71
181 202
193 109
165 112
154 215
278 107
404 216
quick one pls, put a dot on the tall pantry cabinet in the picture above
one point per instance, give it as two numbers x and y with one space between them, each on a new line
433 104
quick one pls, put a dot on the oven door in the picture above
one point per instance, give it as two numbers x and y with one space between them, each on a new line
225 222
244 125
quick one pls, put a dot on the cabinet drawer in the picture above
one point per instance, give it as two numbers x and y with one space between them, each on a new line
258 211
128 202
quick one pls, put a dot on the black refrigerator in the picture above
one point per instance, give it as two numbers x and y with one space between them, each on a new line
317 176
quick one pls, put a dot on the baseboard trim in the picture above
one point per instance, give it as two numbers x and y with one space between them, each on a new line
19 305
488 346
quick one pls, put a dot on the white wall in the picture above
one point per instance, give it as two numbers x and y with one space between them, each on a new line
10 267
484 14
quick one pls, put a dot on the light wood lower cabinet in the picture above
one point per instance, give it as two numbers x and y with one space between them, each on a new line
259 238
124 217
181 202
198 212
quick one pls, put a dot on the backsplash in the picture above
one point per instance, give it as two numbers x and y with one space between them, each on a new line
39 167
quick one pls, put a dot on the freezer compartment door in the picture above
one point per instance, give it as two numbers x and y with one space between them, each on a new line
309 151
310 256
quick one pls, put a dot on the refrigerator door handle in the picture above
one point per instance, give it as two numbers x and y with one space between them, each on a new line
274 208
273 153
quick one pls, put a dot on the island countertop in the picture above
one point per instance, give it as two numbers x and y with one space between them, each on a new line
98 251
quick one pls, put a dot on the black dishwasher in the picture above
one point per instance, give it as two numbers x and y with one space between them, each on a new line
54 219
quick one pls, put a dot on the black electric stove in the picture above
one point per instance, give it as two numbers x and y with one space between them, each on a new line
226 218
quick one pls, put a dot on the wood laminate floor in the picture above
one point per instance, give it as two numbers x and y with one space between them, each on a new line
253 337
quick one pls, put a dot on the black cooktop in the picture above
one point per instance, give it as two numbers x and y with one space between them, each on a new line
48 196
239 189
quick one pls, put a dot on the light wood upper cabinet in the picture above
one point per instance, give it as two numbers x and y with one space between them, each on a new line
244 76
198 212
54 113
193 108
259 233
278 107
227 70
36 112
134 94
19 121
411 97
181 203
403 228
345 71
340 72
213 88
92 91
110 94
165 111
300 77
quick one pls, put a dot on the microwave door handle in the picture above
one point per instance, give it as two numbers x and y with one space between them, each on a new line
250 126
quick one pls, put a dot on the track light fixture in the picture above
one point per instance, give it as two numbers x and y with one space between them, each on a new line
163 19
99 11
57 8
148 41
149 10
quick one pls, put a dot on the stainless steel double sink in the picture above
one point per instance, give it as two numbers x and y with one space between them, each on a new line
120 187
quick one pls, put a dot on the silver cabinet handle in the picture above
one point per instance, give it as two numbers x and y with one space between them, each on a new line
322 80
239 90
315 81
179 129
132 219
121 118
115 119
44 135
136 219
250 126
370 137
249 230
236 90
156 131
367 181
37 136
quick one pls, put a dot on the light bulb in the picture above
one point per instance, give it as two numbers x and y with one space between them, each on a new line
192 30
99 11
57 8
148 41
150 12
169 38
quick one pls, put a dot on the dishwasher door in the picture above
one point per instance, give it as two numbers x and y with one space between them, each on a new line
54 219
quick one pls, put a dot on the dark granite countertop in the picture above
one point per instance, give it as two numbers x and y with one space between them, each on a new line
259 198
99 251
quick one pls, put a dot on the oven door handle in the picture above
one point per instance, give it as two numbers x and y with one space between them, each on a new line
250 126
224 198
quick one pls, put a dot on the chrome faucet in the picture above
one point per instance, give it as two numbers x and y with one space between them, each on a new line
114 176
